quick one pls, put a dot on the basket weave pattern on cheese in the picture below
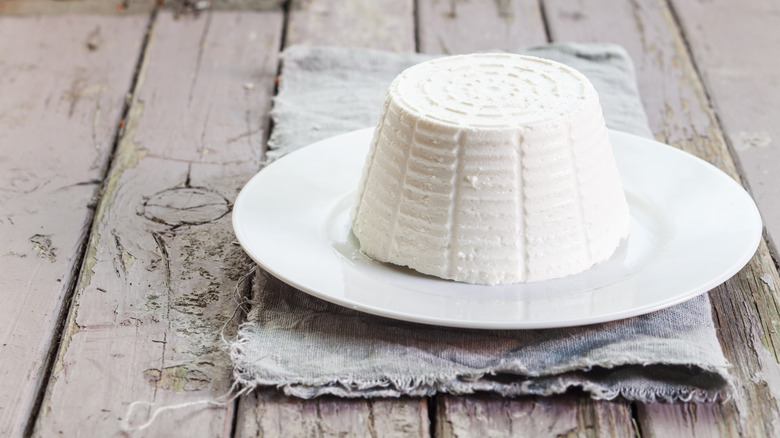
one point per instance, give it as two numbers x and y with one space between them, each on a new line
491 169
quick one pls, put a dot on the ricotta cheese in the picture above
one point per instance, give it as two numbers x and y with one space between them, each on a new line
491 169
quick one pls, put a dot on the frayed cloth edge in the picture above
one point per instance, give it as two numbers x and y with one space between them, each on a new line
596 391
475 382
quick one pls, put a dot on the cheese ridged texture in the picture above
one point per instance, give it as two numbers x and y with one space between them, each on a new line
491 169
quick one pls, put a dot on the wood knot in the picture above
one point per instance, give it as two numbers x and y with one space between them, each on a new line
42 244
185 206
177 378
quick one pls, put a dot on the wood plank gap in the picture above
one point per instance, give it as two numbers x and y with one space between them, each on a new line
431 403
705 91
266 411
78 267
545 21
681 114
416 24
741 82
635 419
244 298
380 25
282 45
283 39
773 251
132 161
59 329
129 96
234 425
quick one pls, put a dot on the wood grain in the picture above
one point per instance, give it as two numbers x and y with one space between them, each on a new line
746 314
466 26
745 307
59 7
272 414
58 119
561 416
674 100
161 269
736 46
385 24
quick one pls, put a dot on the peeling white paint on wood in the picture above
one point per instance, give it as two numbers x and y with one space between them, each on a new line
681 115
384 25
58 118
161 270
268 413
737 48
468 26
161 267
376 24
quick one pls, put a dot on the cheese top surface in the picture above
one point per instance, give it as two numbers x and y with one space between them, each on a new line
491 90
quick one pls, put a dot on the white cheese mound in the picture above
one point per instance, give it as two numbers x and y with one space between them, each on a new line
491 169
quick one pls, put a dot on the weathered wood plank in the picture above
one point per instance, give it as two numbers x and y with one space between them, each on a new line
269 414
58 119
161 268
687 419
457 26
196 7
676 107
469 26
736 46
531 416
746 313
746 307
125 7
385 24
57 7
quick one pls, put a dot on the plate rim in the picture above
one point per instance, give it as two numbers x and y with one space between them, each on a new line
737 264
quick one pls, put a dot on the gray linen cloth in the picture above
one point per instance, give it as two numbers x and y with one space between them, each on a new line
309 347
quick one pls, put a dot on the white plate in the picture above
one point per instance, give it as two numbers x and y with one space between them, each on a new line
692 227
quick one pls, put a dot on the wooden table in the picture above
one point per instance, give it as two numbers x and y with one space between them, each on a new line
128 128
